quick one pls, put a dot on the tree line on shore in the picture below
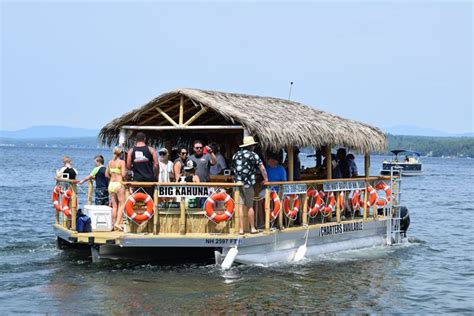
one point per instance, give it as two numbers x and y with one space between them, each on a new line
426 145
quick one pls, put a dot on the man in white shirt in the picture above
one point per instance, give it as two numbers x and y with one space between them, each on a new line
166 166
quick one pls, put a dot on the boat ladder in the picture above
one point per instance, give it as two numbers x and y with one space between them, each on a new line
392 210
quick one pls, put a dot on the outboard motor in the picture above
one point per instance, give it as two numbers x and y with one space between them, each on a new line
405 220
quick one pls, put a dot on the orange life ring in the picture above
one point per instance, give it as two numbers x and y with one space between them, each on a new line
313 193
326 210
291 213
383 186
372 196
139 197
356 200
209 207
65 203
276 205
341 202
55 198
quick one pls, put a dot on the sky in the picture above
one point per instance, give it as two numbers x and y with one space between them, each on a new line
82 64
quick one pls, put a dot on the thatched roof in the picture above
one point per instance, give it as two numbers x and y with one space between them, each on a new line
277 123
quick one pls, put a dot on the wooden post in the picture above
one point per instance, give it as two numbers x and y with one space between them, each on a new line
328 165
89 193
238 209
267 209
73 206
289 151
367 165
181 110
364 216
338 209
182 217
155 216
305 209
280 215
374 207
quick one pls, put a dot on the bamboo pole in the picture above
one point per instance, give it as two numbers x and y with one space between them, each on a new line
280 215
338 209
238 209
181 110
305 210
364 217
289 151
195 116
367 165
73 207
328 165
89 193
182 217
267 209
166 116
155 206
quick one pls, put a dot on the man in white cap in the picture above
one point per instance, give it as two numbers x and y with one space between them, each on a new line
244 164
166 167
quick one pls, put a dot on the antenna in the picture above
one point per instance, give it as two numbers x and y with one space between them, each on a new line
289 94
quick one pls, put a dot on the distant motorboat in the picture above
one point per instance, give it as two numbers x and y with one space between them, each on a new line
406 161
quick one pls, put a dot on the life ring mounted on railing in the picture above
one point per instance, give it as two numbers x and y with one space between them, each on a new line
55 197
65 203
276 205
139 197
388 193
229 204
291 212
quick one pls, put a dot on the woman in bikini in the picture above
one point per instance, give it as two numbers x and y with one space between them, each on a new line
116 171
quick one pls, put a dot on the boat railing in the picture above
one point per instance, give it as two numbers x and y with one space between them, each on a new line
174 213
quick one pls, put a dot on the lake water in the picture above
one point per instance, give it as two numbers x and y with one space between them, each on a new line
434 273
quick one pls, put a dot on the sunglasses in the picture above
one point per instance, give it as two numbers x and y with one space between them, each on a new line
197 148
162 154
183 153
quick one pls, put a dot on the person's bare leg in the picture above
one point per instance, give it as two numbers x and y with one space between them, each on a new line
252 220
241 217
114 207
120 198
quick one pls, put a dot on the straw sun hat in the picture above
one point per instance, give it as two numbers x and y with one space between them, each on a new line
248 141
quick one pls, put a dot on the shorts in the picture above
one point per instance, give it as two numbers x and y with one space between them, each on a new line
101 196
247 196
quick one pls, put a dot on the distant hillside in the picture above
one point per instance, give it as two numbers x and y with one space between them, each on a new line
411 130
49 132
427 146
434 146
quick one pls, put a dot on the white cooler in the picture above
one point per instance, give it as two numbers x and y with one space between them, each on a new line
101 217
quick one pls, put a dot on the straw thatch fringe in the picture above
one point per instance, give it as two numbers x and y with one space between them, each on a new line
276 122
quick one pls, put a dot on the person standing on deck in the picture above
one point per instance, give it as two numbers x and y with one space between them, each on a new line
166 167
180 162
203 162
244 164
143 161
101 181
221 164
67 172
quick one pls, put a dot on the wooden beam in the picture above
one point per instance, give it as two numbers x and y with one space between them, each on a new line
267 210
289 151
166 116
181 110
195 116
367 165
148 119
194 127
328 162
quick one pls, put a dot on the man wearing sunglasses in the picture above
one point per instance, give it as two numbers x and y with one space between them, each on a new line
203 162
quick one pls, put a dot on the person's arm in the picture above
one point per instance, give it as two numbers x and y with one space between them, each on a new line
212 155
196 179
177 170
129 158
107 171
123 169
284 176
156 165
85 179
263 171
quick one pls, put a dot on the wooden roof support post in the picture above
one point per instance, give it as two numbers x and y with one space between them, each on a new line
267 210
328 165
195 116
181 110
166 116
367 165
291 162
